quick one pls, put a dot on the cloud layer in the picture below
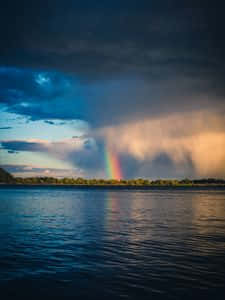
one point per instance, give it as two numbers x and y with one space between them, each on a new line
196 139
33 171
188 143
147 77
80 152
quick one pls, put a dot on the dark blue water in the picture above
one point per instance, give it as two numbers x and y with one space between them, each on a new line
70 243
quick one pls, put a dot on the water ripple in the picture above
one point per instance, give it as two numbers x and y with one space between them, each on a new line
66 243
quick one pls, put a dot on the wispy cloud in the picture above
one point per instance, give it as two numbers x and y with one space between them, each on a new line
5 128
33 171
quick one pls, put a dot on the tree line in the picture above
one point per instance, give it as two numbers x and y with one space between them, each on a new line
122 182
6 177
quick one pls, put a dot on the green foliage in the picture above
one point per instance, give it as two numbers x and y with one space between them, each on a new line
186 181
114 182
5 177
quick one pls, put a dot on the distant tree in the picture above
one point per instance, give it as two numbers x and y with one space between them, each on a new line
186 181
6 177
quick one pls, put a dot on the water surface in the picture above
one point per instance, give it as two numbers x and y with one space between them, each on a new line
71 243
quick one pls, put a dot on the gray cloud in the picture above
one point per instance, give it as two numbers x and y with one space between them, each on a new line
107 102
12 152
33 171
49 122
130 59
5 128
23 146
107 39
82 152
177 145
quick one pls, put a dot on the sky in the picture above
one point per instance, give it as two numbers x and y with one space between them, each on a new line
144 80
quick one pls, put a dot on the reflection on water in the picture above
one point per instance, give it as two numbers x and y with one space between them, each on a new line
66 243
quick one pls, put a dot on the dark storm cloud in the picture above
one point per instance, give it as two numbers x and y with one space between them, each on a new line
19 85
39 94
134 58
102 38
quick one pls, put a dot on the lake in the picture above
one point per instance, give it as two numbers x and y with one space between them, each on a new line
112 243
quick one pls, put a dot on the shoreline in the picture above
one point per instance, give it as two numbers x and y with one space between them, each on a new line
112 185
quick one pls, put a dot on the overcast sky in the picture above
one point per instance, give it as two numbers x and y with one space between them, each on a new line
144 79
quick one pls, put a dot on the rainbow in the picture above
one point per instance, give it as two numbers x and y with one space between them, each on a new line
112 165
